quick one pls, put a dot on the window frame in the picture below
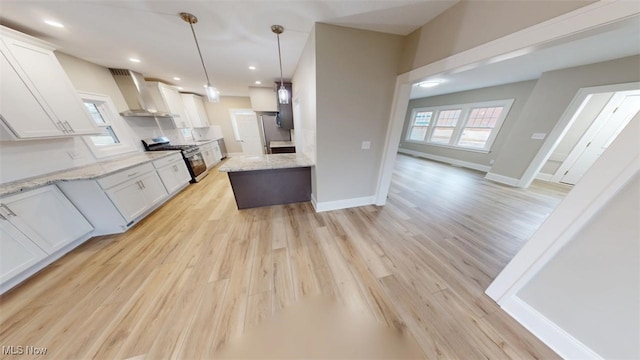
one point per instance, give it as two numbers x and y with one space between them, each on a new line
113 119
461 124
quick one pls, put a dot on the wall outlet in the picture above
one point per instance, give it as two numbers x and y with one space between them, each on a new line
538 136
366 145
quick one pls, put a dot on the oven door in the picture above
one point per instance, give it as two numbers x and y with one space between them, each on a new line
197 166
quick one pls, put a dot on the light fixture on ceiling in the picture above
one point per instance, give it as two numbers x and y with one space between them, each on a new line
212 93
252 67
429 84
54 23
134 60
258 82
176 78
283 94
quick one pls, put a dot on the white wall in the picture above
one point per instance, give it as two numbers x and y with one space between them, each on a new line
218 114
591 288
519 91
355 75
551 96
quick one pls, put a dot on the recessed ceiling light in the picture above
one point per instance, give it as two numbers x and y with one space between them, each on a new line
252 67
428 84
53 23
258 82
176 78
180 88
134 60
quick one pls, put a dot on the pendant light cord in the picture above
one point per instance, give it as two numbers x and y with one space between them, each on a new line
202 60
280 58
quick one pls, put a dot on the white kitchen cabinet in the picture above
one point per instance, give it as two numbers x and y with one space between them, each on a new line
46 217
35 226
134 197
173 173
217 152
168 100
115 202
39 78
208 155
194 106
17 252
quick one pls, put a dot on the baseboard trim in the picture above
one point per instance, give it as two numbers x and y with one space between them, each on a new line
466 164
502 179
546 330
341 204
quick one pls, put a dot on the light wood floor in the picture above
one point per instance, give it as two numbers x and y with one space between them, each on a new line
198 272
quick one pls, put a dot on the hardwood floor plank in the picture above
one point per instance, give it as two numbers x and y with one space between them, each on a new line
197 272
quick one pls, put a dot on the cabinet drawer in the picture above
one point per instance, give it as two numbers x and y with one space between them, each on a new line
167 160
120 177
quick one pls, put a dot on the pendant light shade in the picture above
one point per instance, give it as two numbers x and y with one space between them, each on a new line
212 93
283 93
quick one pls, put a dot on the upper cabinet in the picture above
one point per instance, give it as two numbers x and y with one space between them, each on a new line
263 99
38 99
194 107
168 99
285 111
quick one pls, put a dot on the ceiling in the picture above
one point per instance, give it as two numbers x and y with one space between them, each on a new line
233 35
604 43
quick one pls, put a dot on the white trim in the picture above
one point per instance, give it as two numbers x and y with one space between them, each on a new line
610 173
341 204
584 18
567 346
545 177
562 126
456 162
502 179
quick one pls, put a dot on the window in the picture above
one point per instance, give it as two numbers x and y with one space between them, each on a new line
115 137
465 126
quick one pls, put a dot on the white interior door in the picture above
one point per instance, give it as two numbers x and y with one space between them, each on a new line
249 133
610 122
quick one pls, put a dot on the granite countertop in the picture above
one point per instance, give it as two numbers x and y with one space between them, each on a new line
265 162
279 144
87 172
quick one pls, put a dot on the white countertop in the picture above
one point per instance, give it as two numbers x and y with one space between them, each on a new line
265 162
279 144
87 172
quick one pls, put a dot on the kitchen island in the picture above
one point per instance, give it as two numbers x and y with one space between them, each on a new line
264 180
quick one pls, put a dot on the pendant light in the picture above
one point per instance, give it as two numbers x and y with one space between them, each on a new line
212 93
283 94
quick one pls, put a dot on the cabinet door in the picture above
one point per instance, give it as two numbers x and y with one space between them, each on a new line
46 217
207 155
217 153
42 73
202 113
19 108
129 199
17 252
175 104
195 110
153 189
174 176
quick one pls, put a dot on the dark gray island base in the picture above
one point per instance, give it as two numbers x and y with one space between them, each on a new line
269 179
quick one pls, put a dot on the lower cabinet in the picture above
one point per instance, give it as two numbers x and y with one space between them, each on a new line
173 173
115 202
211 154
36 225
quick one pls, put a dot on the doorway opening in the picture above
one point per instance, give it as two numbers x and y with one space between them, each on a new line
246 131
601 116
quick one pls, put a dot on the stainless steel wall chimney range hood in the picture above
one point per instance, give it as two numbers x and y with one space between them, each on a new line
137 95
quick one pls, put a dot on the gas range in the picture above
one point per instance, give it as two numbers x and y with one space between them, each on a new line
190 153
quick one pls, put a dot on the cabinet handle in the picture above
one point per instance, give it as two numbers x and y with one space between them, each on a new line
2 217
134 174
11 213
139 186
175 168
142 183
70 128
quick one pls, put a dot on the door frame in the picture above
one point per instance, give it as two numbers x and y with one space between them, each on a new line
591 132
510 46
234 125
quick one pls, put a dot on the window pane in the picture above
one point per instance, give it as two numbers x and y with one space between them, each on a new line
95 113
108 137
423 118
418 133
446 123
479 127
